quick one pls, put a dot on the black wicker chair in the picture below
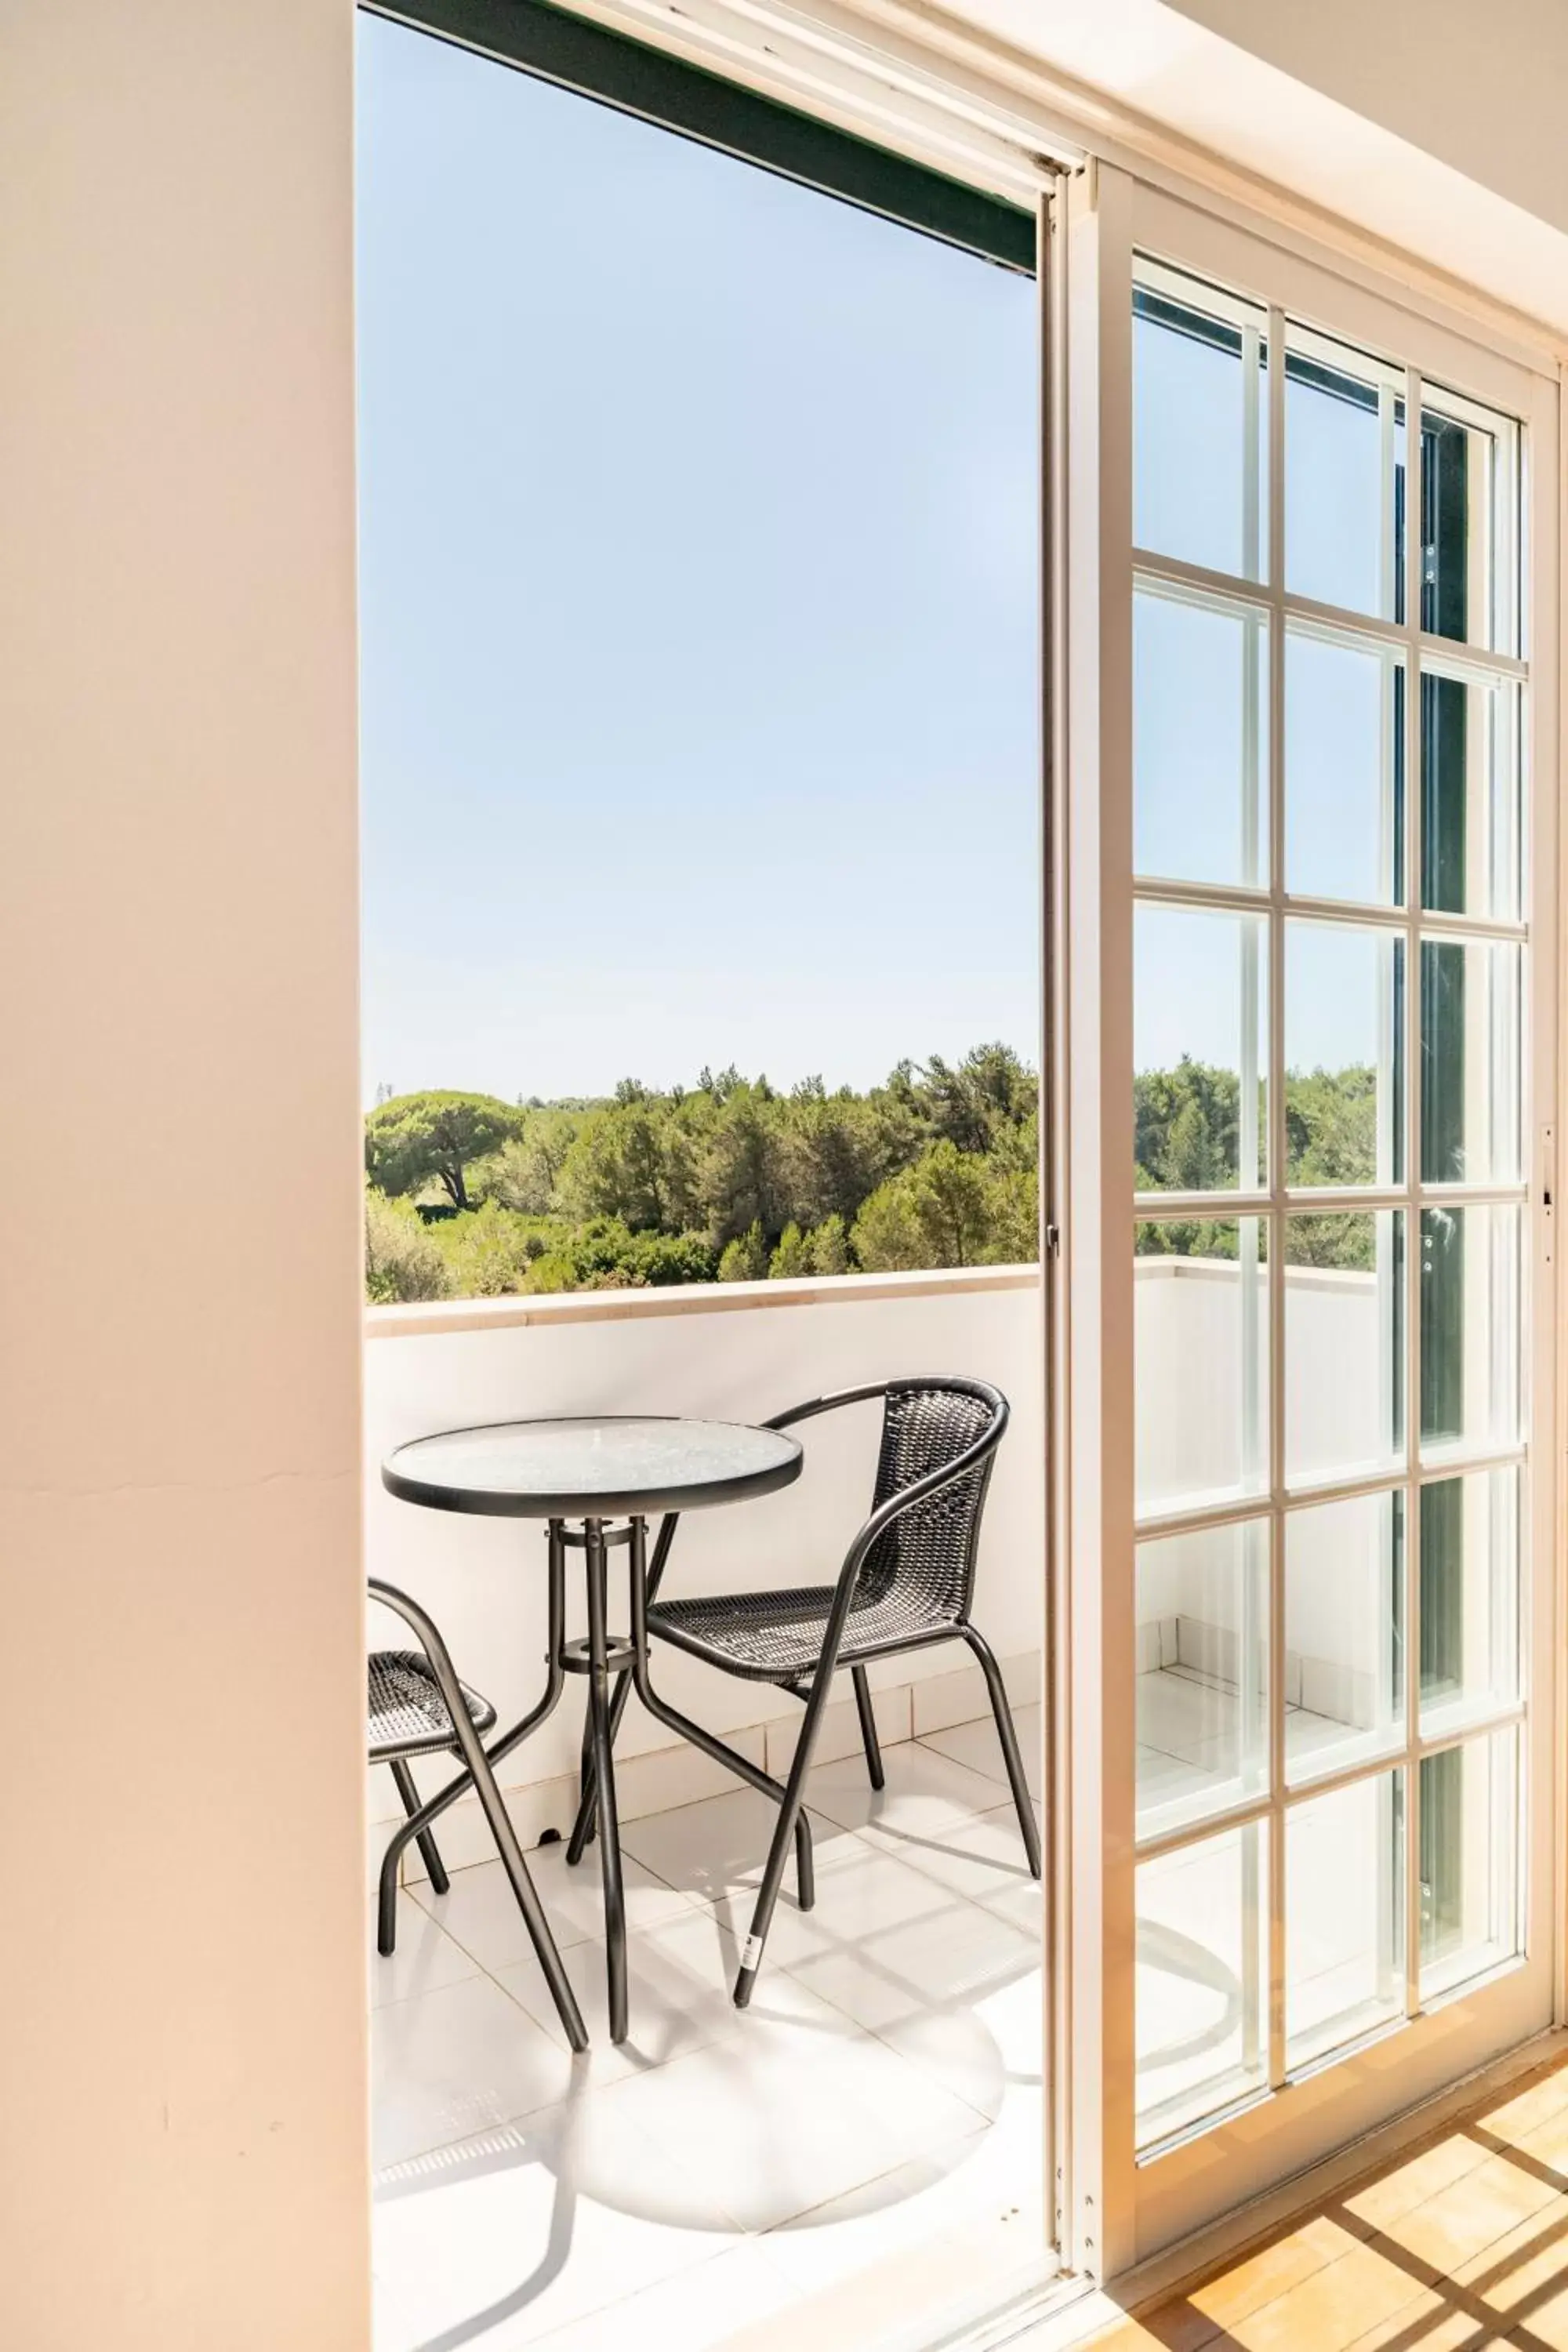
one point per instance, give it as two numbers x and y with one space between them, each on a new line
907 1582
417 1706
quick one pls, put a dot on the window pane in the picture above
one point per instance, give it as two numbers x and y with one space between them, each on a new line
1470 1057
1201 1981
1199 1023
1200 440
1344 1634
1470 1321
1202 1663
1344 1055
1344 1345
1470 831
1470 1861
1344 463
1200 713
1344 1916
1200 1302
1468 522
1469 1597
1344 782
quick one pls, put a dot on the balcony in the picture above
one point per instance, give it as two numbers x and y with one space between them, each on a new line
884 2097
875 2121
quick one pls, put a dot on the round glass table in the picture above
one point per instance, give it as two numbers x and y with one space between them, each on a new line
596 1482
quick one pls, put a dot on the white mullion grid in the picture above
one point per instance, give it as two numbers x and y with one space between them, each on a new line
1235 898
1275 1221
1195 584
1483 1725
1234 1510
1223 1208
1261 590
1413 1178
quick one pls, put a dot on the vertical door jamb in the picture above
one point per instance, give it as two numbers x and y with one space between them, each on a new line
1095 1290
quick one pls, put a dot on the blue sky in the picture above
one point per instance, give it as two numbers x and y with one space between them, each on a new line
699 607
699 617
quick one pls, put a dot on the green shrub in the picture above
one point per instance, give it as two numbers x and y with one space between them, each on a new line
661 1259
403 1259
490 1250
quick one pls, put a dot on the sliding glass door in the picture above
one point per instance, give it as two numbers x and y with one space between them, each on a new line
1324 902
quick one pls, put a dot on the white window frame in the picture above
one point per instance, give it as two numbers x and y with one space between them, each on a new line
1119 2209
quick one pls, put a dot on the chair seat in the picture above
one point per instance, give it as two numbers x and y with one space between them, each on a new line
776 1637
407 1713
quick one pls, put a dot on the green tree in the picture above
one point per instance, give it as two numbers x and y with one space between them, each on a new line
524 1174
889 1235
1347 1243
418 1139
745 1259
1012 1217
792 1259
634 1161
990 1089
936 1166
1330 1125
840 1146
743 1175
932 1214
1184 1127
827 1247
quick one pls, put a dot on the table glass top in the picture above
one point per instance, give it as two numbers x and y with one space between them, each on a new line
572 1467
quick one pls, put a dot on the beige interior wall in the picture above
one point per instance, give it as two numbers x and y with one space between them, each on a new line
1483 88
183 2142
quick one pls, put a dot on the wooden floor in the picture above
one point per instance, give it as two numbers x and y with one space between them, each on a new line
1459 2245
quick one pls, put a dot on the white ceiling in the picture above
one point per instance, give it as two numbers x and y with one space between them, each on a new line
1436 126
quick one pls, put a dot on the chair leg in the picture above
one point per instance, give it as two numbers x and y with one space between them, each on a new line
480 1774
1009 1738
426 1839
528 1901
386 1901
869 1738
792 1812
705 1743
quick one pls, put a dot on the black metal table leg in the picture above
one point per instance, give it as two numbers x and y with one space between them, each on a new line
582 1827
605 1766
649 1575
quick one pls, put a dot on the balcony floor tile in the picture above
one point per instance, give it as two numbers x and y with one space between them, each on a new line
977 1745
879 2098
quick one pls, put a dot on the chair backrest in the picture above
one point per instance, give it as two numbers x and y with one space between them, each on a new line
928 1551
